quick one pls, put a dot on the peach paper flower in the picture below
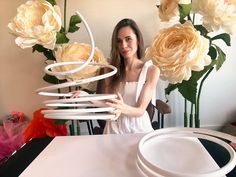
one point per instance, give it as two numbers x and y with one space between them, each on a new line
79 52
36 22
177 51
168 10
217 14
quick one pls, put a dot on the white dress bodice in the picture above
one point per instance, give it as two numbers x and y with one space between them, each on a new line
126 124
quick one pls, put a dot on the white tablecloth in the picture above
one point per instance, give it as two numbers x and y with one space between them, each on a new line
92 156
87 156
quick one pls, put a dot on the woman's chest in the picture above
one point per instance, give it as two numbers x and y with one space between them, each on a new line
129 93
133 75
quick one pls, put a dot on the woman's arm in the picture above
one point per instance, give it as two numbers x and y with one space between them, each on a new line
145 96
103 87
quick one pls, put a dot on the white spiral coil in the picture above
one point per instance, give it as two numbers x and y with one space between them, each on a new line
84 110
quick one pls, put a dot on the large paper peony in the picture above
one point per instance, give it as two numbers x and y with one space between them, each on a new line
168 10
36 22
177 51
79 52
217 14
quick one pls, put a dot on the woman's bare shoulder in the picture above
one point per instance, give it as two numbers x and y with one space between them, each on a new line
153 74
153 70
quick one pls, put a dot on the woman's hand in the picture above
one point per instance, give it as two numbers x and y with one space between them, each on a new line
233 145
118 104
79 93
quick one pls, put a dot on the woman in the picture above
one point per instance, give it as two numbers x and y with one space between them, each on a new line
135 82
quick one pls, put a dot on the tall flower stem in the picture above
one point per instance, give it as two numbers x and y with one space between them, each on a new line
65 2
191 116
193 18
185 113
197 120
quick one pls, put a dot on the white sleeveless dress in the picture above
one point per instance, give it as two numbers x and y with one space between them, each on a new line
125 124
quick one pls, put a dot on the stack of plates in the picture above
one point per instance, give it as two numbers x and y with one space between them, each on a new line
177 152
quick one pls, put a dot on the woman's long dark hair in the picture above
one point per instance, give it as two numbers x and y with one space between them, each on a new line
116 59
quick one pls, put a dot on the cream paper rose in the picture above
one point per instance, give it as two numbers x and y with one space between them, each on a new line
177 51
217 14
168 10
79 52
36 22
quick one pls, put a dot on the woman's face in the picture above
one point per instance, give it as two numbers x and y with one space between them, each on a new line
127 42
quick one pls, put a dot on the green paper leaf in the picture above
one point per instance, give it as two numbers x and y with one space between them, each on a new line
49 55
225 37
62 30
53 2
46 52
202 29
73 29
61 38
60 121
182 21
184 10
212 52
52 79
196 75
220 59
170 88
188 89
74 20
38 48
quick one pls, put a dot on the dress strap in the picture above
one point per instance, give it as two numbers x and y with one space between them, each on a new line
142 80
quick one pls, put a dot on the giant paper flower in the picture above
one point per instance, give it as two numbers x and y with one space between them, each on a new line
179 50
38 25
36 22
168 10
79 52
217 14
41 127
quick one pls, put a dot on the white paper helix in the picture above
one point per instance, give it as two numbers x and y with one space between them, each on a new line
84 109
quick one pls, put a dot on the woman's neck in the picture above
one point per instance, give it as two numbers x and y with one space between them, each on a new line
132 63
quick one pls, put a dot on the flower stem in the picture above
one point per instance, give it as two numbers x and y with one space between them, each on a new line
65 2
71 127
185 113
193 18
78 127
191 116
197 120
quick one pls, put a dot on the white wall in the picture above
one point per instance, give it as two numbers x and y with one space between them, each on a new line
22 72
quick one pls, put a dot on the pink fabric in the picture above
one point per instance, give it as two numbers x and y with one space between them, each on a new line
11 137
